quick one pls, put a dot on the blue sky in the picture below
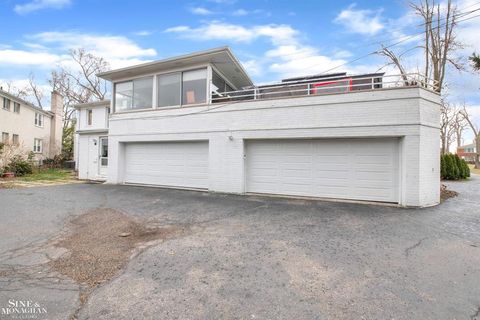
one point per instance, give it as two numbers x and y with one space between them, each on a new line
273 39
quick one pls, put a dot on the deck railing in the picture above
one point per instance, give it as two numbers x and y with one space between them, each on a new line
326 85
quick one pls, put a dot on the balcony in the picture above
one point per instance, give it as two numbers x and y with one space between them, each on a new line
322 85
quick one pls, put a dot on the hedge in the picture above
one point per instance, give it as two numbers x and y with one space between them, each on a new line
453 168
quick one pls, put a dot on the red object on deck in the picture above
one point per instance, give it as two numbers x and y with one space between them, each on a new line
326 83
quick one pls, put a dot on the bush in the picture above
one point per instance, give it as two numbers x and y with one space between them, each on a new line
453 168
19 166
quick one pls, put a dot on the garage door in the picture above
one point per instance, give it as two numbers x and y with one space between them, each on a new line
175 164
361 169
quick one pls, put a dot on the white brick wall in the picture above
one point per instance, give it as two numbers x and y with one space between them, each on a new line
409 113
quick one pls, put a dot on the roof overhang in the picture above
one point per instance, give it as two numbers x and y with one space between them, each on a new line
222 58
101 103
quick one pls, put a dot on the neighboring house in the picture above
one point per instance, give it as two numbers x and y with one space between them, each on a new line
91 140
467 152
197 121
30 127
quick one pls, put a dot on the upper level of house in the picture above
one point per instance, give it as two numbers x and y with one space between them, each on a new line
31 127
468 148
93 117
216 77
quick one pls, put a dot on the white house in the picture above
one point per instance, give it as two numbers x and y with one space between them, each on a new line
91 140
198 122
30 127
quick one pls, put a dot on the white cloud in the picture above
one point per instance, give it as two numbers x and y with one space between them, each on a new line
142 33
36 5
200 11
366 22
48 49
216 30
223 1
253 67
243 12
240 12
106 46
22 57
288 56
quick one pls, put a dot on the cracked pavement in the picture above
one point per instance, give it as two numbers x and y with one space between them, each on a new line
252 257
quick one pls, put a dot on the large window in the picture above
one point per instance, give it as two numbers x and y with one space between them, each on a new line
182 88
15 140
135 94
194 86
169 88
219 85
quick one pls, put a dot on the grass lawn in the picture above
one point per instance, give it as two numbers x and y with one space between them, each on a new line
47 175
473 170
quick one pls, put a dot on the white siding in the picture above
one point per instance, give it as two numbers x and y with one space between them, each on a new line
409 114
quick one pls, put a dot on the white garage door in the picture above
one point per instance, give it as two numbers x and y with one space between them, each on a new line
176 164
361 169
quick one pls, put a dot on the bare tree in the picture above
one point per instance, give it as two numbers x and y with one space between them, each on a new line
439 22
459 126
476 133
18 92
34 90
448 115
79 84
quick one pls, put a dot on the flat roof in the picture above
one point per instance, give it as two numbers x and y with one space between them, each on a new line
92 104
222 58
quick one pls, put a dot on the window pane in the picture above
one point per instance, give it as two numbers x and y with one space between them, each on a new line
123 96
194 86
104 147
169 90
142 93
218 82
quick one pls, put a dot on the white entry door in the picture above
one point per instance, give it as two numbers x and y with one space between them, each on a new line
103 156
174 164
360 169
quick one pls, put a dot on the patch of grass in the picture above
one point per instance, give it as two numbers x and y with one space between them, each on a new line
473 170
47 175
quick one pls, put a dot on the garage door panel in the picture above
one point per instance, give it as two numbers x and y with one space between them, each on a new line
365 169
177 164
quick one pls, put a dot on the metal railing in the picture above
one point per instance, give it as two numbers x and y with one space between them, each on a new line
326 85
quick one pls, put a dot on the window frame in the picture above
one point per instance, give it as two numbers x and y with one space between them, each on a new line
39 120
5 137
181 72
16 107
157 104
15 139
89 117
37 144
6 106
153 78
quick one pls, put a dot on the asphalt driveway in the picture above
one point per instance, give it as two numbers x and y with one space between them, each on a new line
252 257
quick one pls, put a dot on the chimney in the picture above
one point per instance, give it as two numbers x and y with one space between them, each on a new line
56 126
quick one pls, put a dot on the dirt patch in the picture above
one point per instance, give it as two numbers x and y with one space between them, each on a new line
446 194
100 243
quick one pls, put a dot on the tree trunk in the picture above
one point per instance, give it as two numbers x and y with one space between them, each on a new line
477 155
